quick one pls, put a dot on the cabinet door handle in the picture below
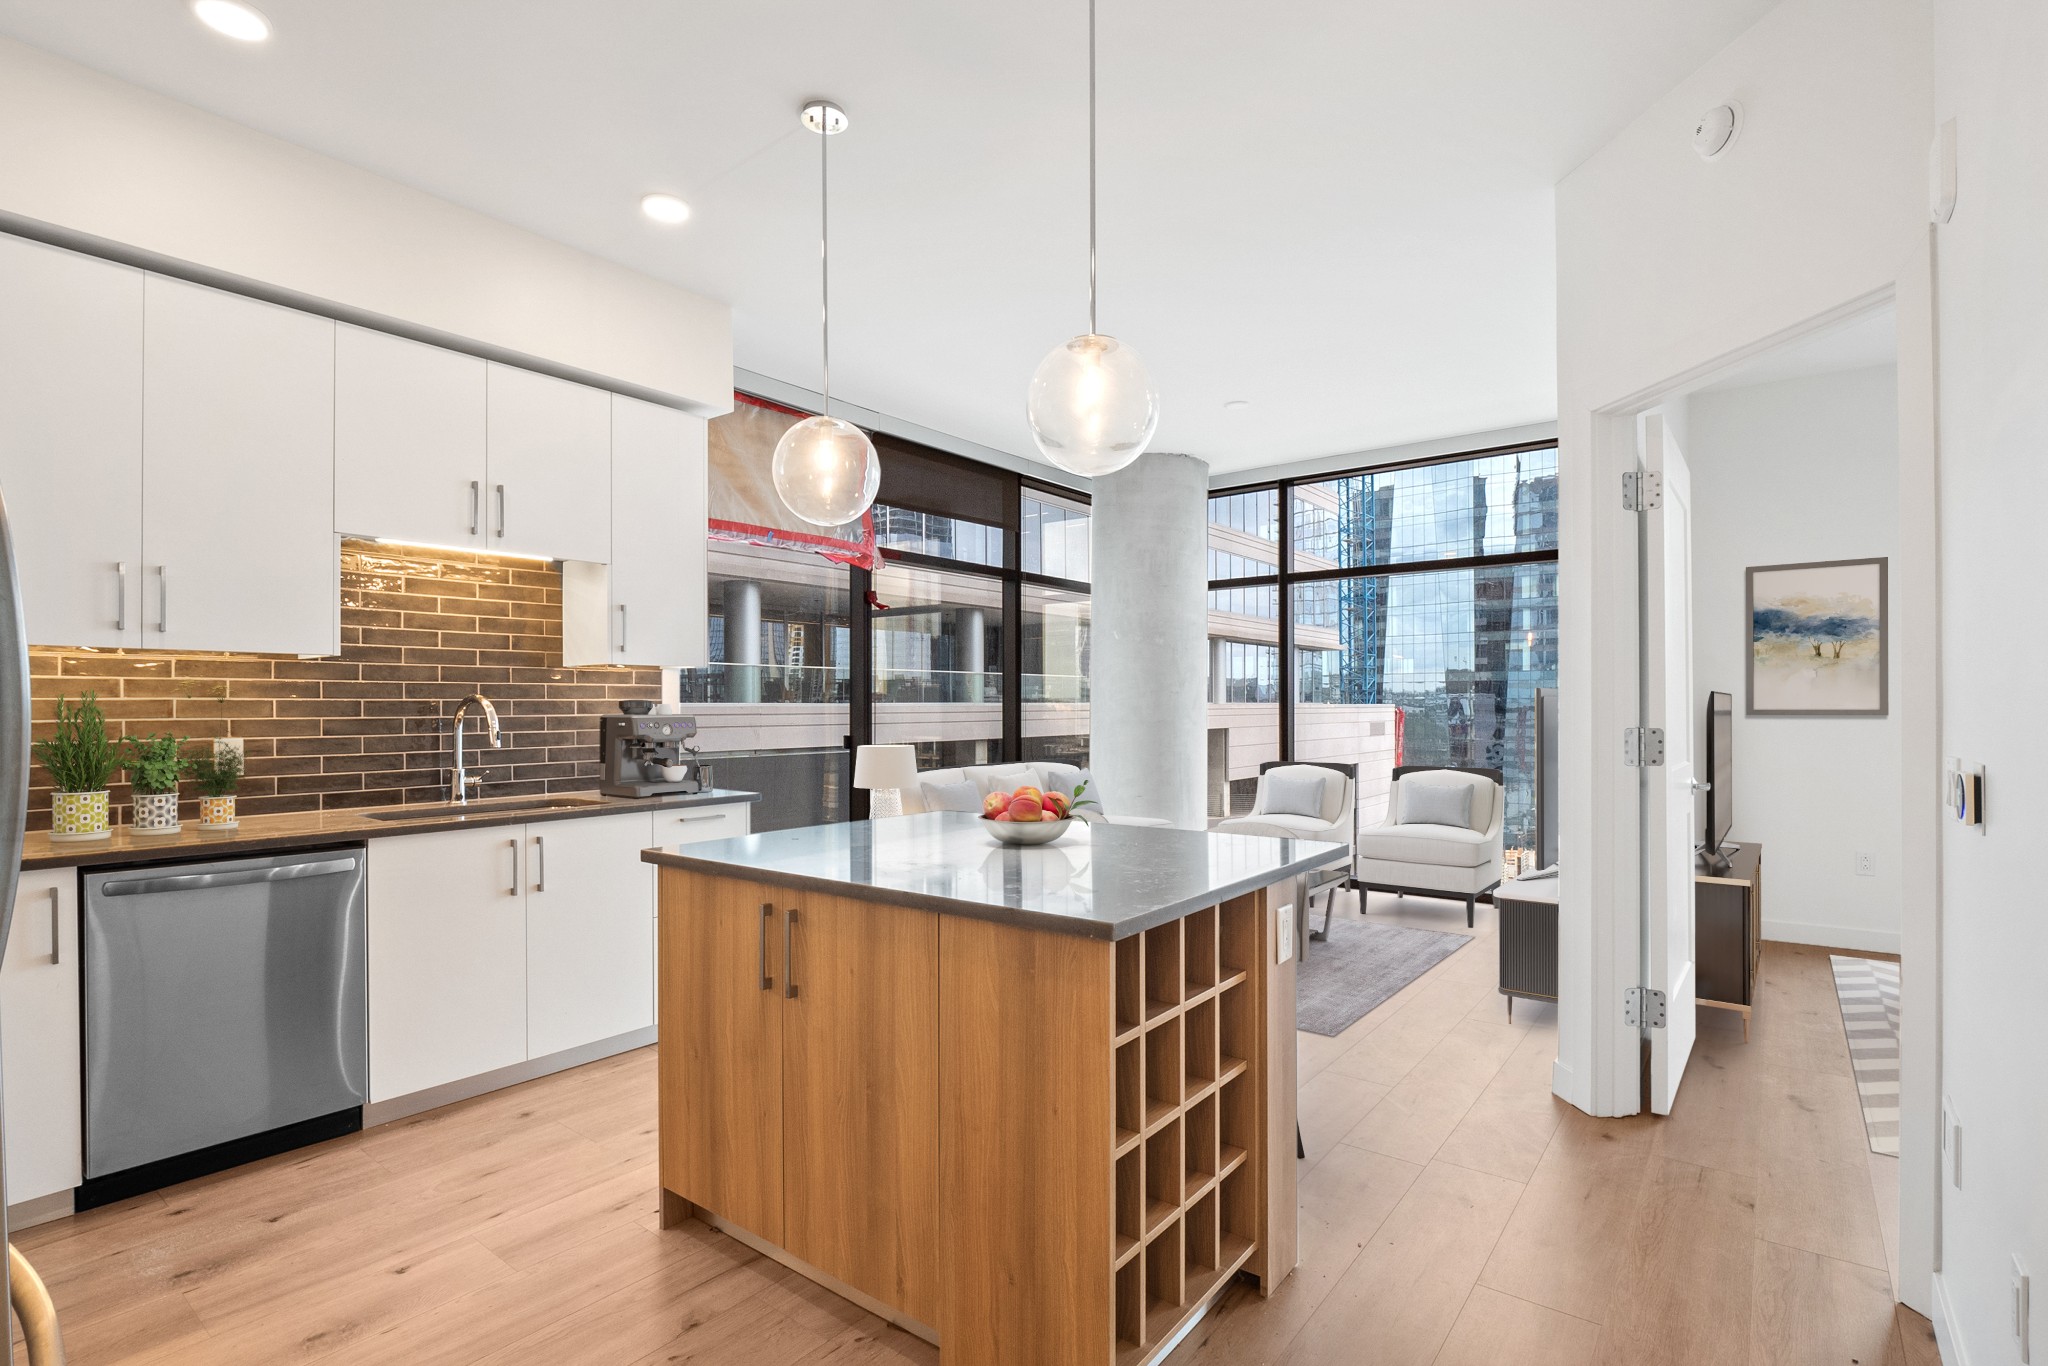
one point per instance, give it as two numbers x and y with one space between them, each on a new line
767 914
500 490
540 862
622 628
708 816
56 926
121 602
163 599
476 504
513 845
788 960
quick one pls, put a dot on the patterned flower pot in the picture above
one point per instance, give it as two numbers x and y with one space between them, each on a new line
156 813
217 813
78 816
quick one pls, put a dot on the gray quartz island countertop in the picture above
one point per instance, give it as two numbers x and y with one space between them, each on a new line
1099 881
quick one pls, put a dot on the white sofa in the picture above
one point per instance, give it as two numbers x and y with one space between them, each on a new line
1436 860
988 778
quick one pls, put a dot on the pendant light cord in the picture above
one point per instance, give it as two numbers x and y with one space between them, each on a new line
1091 167
825 255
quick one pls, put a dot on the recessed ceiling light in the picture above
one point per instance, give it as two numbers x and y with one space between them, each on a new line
232 18
1232 405
664 208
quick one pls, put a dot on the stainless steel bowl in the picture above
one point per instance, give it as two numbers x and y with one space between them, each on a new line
1027 832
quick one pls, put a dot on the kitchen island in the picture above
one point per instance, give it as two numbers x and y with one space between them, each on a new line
1036 1105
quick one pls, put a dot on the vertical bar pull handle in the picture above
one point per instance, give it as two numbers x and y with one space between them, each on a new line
767 914
788 962
513 845
622 628
121 602
540 863
501 511
476 505
56 926
163 599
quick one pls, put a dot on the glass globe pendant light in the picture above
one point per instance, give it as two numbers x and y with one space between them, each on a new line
1092 406
826 471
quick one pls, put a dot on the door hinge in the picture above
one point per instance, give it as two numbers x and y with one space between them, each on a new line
1642 747
1642 490
1638 1001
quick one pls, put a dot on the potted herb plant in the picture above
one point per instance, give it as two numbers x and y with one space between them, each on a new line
218 772
80 760
154 767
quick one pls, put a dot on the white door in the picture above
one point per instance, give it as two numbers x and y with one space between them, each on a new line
550 464
238 474
39 1020
71 441
1668 675
659 552
588 954
447 957
408 440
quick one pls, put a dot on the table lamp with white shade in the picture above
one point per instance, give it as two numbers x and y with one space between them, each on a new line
885 770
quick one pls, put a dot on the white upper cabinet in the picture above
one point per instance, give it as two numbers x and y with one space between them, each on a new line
549 458
238 543
408 440
71 441
652 595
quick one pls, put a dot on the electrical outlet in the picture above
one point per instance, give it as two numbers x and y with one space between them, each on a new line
232 744
1866 865
1283 933
2020 1308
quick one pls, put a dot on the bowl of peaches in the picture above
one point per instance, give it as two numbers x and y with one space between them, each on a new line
1029 815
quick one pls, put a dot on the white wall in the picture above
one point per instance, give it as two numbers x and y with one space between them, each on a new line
1993 265
95 156
1796 470
1667 265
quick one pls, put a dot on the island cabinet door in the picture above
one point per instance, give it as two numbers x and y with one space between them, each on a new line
721 1054
860 1096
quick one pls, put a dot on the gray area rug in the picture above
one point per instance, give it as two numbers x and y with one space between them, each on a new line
1868 989
1360 965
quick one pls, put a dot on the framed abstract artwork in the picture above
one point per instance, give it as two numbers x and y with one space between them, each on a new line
1818 639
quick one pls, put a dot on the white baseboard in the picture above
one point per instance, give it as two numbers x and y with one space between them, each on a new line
1947 1336
434 1097
1831 936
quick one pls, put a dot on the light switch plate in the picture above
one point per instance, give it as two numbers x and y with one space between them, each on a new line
1283 933
228 744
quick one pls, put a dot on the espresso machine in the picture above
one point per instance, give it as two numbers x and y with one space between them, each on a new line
647 755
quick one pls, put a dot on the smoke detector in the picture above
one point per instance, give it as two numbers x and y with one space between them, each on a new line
1716 130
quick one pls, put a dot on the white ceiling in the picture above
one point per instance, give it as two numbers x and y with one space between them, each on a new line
1340 211
1861 343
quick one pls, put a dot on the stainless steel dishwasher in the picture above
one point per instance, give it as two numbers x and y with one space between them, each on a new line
225 1016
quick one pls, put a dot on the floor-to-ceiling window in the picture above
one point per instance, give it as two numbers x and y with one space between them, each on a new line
969 638
1425 592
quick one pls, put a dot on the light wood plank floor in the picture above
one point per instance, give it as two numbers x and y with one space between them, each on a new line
1452 1213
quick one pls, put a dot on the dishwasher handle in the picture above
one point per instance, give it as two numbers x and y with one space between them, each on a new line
239 877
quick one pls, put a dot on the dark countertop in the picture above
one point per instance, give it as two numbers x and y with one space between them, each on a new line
267 834
1101 881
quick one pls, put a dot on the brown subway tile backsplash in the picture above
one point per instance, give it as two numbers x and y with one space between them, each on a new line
421 629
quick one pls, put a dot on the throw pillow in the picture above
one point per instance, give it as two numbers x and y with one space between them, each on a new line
1004 779
1436 804
1294 792
954 796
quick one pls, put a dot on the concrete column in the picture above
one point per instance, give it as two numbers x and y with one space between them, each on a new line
973 628
743 639
1150 682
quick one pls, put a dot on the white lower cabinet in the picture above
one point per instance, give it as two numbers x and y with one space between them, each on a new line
588 898
447 957
39 1019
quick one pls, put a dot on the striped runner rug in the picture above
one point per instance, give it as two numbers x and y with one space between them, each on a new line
1869 992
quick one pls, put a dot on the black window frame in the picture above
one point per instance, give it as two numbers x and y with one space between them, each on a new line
1288 576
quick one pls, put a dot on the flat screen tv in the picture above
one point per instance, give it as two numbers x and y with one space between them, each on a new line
1721 774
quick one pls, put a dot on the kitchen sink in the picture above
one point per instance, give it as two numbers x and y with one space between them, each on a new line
483 806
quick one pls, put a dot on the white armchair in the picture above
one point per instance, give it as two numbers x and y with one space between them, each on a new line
1411 853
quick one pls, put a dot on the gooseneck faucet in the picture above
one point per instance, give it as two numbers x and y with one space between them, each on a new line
458 784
